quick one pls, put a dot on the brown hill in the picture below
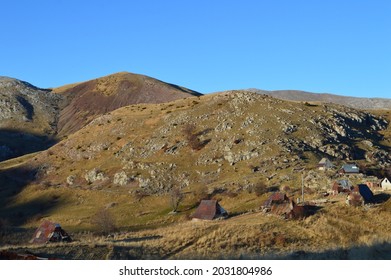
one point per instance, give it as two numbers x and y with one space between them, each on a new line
87 100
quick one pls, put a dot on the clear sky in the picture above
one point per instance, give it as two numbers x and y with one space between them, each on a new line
335 46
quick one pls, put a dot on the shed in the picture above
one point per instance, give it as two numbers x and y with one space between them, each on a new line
341 186
325 164
385 184
50 232
275 198
210 210
288 210
349 169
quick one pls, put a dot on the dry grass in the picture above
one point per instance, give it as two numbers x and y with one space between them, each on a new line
146 230
256 235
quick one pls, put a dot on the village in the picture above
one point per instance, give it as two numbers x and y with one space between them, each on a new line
353 189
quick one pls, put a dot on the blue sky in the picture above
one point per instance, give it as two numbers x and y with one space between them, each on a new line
335 46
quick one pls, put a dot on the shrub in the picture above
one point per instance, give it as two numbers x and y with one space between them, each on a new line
192 138
176 197
103 221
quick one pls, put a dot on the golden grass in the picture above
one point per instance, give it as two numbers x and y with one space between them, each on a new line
252 235
146 228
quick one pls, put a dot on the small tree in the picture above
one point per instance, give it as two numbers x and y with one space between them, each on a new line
176 197
104 221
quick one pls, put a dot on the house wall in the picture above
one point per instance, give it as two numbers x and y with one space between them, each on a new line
386 184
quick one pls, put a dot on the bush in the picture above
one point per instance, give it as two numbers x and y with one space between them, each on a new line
104 221
192 137
176 197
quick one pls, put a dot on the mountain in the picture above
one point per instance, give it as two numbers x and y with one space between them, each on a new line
132 164
28 117
218 134
226 143
354 102
87 100
32 118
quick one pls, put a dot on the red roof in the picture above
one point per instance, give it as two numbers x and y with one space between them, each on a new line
44 233
209 210
275 198
278 196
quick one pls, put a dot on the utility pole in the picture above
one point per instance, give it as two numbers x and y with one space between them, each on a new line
302 187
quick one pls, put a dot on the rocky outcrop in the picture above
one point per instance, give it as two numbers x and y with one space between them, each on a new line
26 106
95 175
122 179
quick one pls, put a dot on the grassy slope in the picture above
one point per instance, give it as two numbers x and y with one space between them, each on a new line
96 147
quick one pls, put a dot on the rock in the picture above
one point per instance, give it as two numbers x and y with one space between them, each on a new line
121 178
95 175
288 129
71 180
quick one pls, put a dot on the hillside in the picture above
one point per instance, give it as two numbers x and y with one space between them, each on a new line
222 137
33 119
28 117
87 100
354 102
222 143
234 146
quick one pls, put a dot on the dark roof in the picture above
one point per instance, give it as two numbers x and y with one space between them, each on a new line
350 168
209 210
344 184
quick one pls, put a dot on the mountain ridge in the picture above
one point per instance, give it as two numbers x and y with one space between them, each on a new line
46 115
367 103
